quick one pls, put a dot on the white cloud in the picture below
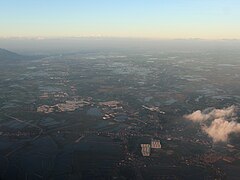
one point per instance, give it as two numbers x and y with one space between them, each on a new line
220 129
199 116
222 122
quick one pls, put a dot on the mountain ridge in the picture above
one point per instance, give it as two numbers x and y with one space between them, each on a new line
9 55
6 55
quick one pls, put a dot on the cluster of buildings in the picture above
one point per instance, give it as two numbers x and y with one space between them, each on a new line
214 157
111 109
153 109
146 148
68 106
112 104
47 95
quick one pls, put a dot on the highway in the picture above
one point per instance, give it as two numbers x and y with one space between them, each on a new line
26 143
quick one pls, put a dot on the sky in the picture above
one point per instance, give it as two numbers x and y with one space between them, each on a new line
163 19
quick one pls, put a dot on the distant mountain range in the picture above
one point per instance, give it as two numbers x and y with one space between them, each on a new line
6 55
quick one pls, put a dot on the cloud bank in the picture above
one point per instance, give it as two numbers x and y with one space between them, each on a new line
222 122
199 116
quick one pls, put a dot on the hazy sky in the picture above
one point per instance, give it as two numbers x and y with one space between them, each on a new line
209 19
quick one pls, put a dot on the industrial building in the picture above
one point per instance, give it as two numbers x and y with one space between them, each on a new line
155 144
146 149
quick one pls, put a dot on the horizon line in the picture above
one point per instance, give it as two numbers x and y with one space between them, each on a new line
113 37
